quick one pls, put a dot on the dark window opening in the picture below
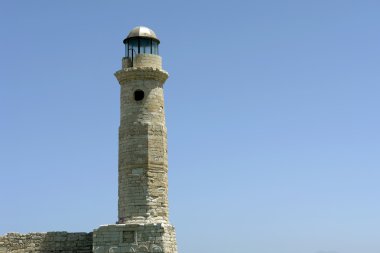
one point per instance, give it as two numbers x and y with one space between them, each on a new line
139 95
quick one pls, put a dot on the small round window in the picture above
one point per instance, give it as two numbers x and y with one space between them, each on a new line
139 95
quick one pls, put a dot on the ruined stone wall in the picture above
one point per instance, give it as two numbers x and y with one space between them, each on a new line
51 242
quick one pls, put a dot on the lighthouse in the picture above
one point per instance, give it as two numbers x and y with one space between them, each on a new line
143 212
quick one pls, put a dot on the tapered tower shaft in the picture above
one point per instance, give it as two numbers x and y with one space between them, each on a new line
143 165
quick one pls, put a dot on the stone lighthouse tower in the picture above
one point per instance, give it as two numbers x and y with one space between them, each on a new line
143 223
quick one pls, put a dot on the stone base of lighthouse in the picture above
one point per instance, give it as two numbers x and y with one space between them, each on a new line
123 238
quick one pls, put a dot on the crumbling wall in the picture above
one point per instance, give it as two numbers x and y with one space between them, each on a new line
51 242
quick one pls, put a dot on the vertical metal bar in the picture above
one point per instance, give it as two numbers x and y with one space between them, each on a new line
132 58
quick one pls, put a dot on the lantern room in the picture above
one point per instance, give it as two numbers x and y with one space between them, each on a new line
141 40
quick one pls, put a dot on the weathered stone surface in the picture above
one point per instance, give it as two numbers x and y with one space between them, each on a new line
143 166
149 237
143 60
52 242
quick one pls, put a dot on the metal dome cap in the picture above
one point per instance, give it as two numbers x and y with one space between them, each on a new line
141 31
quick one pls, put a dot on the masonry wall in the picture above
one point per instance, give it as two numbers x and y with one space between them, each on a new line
143 60
129 238
51 242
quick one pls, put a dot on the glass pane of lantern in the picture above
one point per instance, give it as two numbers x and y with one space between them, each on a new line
154 47
142 46
145 46
133 48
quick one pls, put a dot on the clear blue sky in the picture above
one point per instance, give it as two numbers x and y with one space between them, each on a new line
272 111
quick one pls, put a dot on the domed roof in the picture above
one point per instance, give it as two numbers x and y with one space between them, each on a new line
141 31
